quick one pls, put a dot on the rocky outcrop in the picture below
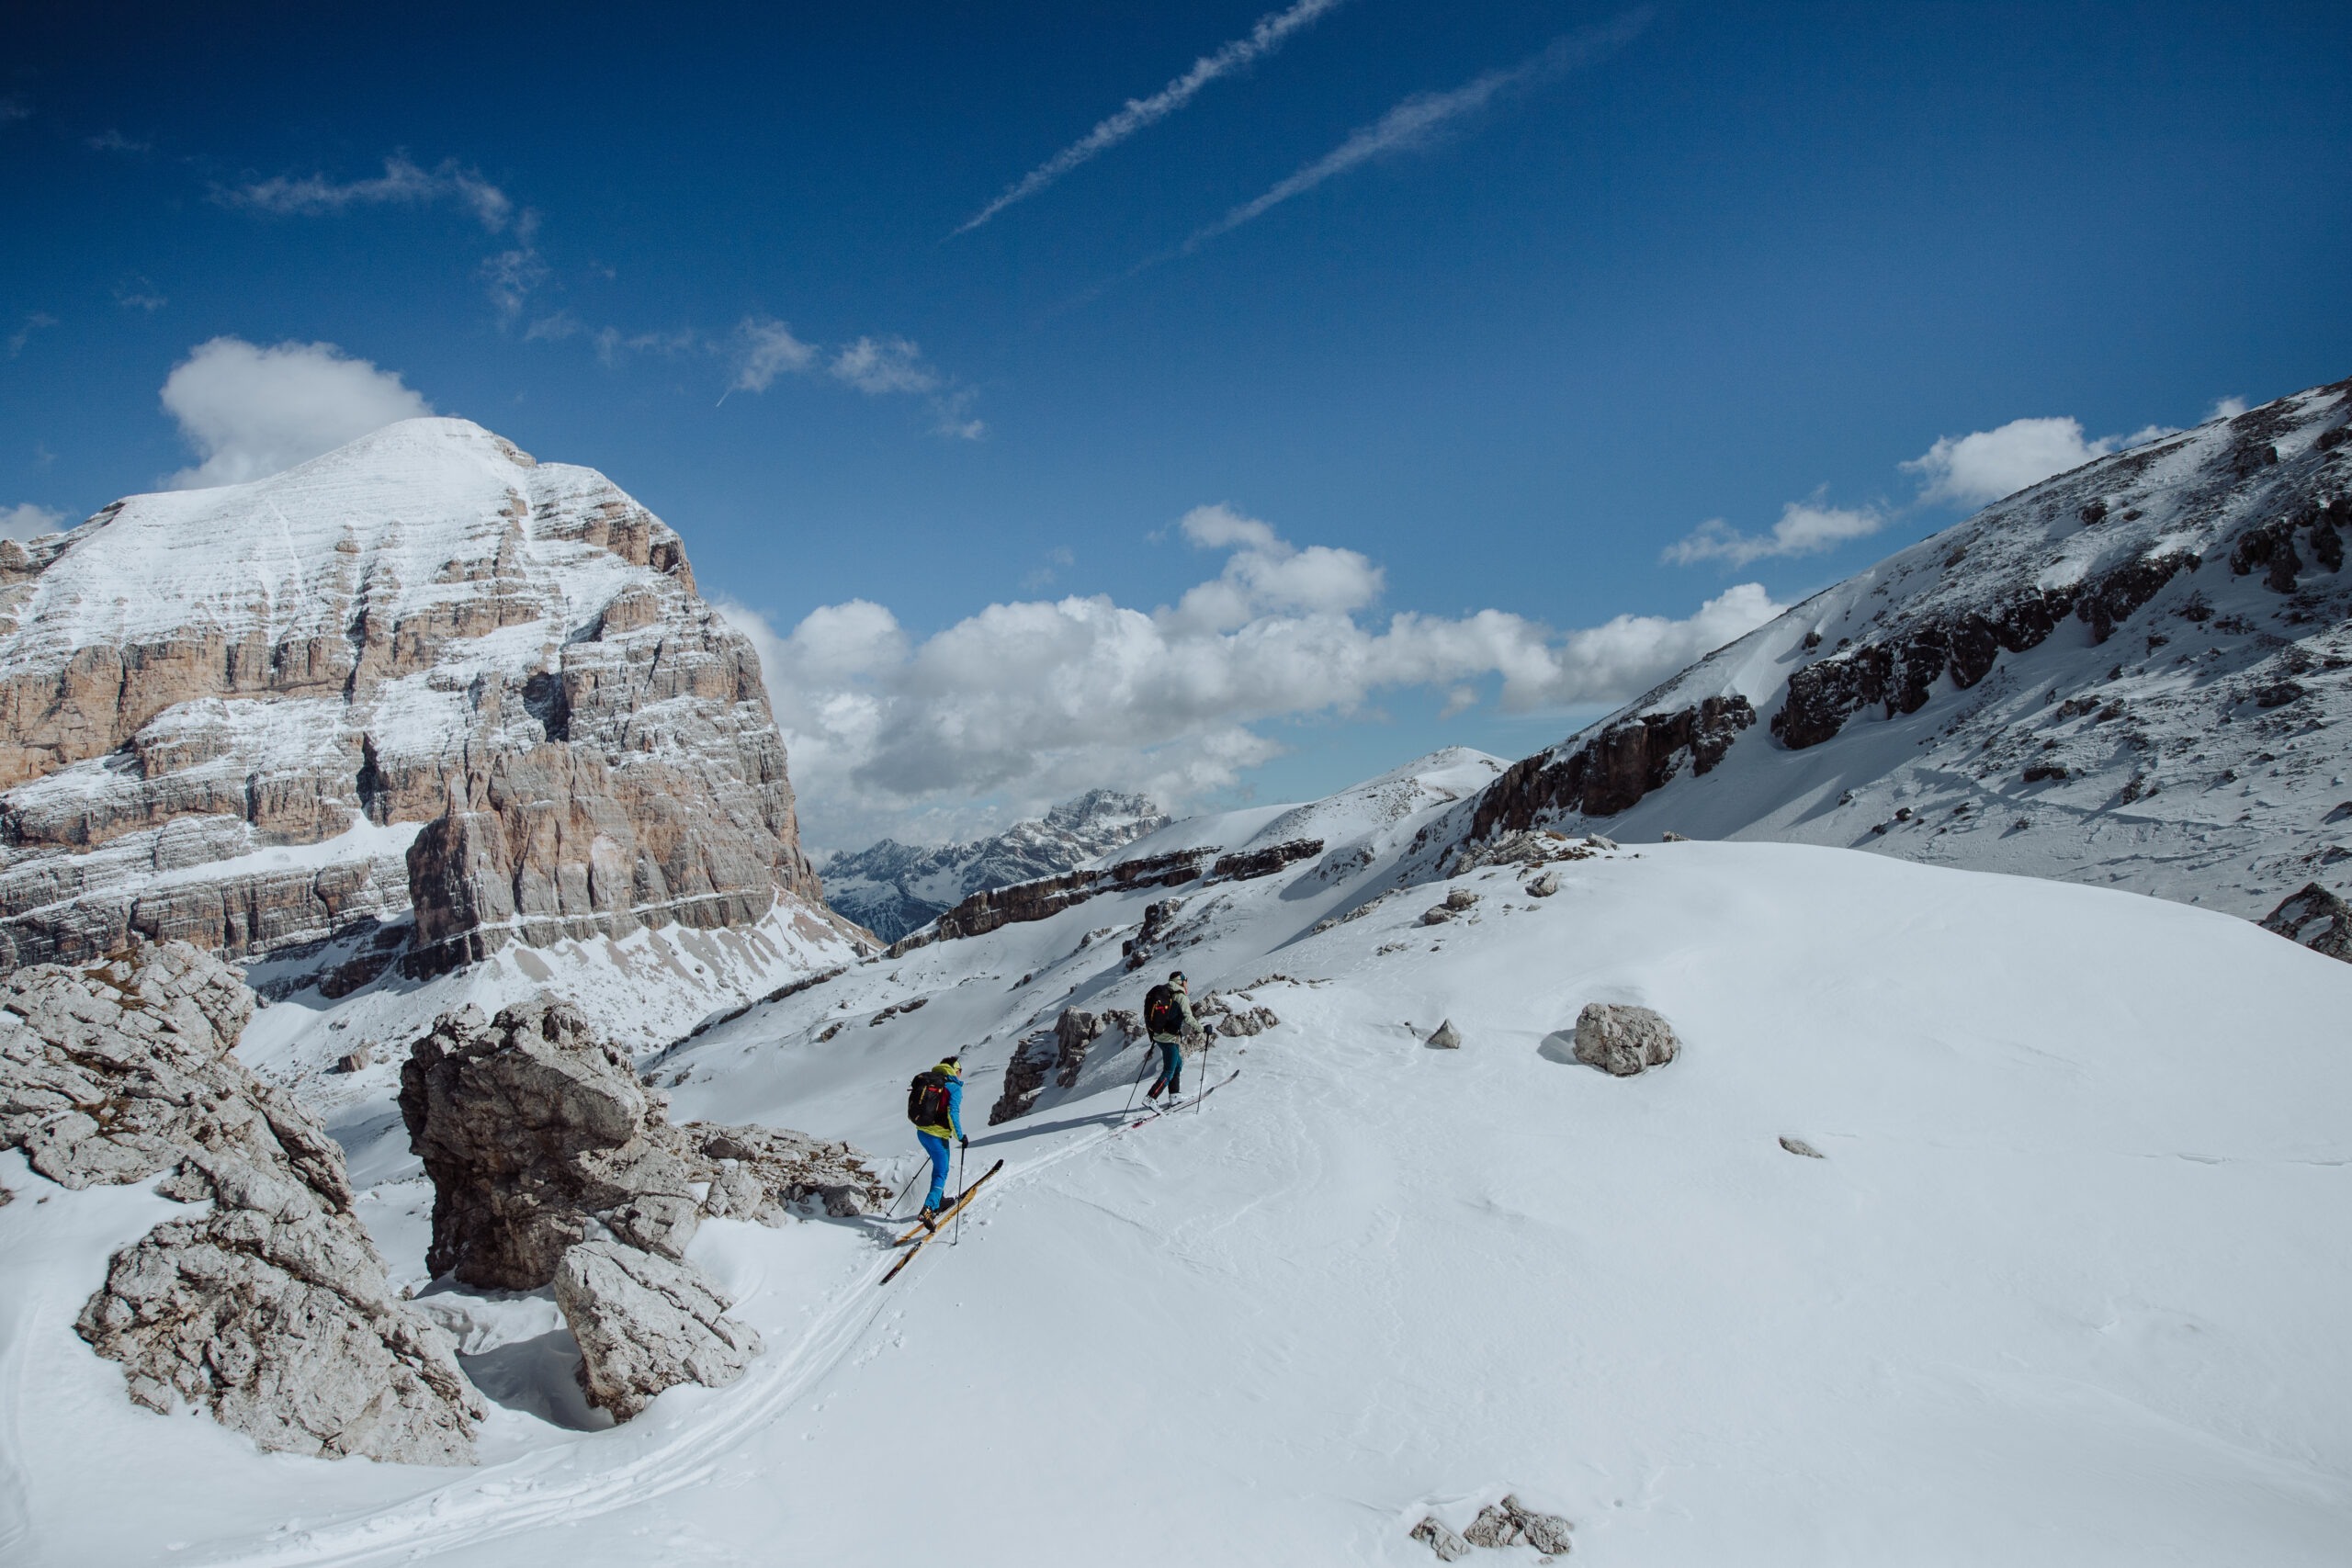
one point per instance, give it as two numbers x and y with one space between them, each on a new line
1461 901
451 678
1444 1037
551 1163
270 1310
1511 1523
2315 918
1622 1040
1442 1539
1616 768
536 1134
533 1129
645 1324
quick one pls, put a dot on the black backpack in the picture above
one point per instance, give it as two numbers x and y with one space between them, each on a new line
927 1102
1161 1013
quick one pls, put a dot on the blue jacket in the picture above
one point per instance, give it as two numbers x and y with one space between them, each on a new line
955 1127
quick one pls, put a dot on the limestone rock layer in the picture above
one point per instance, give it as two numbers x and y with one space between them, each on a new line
422 671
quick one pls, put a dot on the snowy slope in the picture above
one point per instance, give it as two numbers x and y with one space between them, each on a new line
891 888
2066 1289
2136 674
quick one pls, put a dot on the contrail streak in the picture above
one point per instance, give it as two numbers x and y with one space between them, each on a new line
1262 39
1416 118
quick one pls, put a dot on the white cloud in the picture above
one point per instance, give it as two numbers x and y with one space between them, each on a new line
115 142
510 276
1806 527
613 344
876 365
1969 471
767 349
2224 408
1139 113
1033 700
1416 121
402 183
251 412
140 295
28 522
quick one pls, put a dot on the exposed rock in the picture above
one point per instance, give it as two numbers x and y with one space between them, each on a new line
1622 1040
1545 885
1460 901
1445 1037
645 1324
1599 843
1602 776
1441 1538
1062 1053
534 1131
1144 945
272 1311
1673 839
1243 1018
1799 1146
2317 919
357 1060
1253 863
311 658
1509 1523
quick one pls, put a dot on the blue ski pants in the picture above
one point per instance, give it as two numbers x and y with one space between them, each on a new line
936 1147
1171 1063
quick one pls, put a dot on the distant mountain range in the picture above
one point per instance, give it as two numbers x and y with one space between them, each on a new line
891 888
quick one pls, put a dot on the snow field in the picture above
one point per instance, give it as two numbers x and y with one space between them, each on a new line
2066 1289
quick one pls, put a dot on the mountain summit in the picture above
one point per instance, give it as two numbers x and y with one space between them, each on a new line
423 690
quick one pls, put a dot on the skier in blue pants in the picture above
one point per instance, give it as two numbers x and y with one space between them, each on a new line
938 1115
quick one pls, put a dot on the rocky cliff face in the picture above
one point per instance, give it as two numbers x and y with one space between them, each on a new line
2136 673
423 673
893 889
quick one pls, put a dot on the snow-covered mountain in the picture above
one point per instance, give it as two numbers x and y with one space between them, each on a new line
410 702
2064 1286
890 888
2135 674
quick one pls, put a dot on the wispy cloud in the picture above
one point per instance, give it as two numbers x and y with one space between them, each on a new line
115 142
510 276
402 182
1419 119
13 109
767 349
24 334
1139 113
138 295
1806 527
876 365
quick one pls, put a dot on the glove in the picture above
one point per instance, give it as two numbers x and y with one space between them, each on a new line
962 1142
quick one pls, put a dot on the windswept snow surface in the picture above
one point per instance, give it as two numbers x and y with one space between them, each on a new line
2067 1288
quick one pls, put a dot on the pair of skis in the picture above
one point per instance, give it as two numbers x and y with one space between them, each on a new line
1158 1111
938 1221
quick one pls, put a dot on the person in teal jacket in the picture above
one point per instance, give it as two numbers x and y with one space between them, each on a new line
933 1135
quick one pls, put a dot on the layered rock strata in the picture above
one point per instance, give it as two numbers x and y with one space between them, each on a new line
421 672
270 1308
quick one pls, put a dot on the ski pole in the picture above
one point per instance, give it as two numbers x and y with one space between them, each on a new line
903 1191
961 1192
1208 1043
1138 1083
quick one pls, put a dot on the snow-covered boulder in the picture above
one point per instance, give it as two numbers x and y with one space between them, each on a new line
1622 1040
270 1310
1510 1523
647 1323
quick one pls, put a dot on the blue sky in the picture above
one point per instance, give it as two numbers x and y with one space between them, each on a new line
1515 318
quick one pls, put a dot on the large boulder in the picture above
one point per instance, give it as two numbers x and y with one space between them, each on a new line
271 1310
538 1135
532 1128
1622 1040
647 1323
